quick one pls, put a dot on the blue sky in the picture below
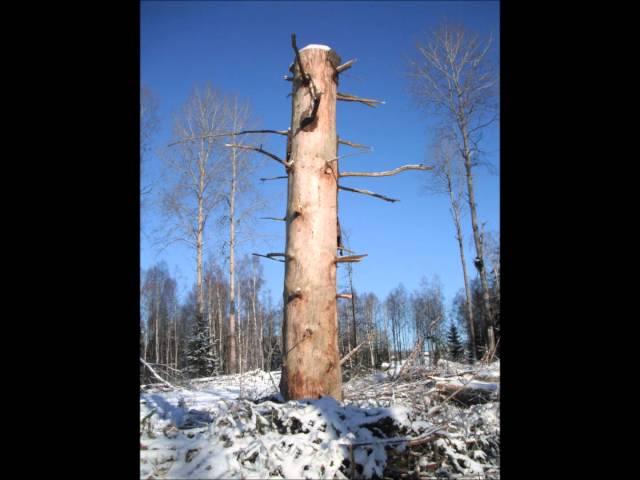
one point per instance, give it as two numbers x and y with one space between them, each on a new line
245 48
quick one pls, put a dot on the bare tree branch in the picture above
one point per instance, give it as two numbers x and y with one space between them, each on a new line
354 145
386 173
295 48
346 97
274 178
345 66
257 149
367 192
350 258
274 218
271 256
228 134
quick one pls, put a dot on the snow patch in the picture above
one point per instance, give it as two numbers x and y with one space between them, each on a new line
314 45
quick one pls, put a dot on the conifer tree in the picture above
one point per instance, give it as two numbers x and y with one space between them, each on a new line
456 351
202 360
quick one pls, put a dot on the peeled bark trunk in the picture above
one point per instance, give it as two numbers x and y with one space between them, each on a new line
311 363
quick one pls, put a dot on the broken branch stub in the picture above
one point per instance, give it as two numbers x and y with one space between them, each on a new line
387 173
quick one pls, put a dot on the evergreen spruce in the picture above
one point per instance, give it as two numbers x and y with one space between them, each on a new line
456 351
202 360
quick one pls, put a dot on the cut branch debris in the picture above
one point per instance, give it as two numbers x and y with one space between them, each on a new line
386 173
155 374
354 350
367 192
346 97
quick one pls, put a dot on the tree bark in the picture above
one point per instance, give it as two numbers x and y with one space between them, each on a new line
311 363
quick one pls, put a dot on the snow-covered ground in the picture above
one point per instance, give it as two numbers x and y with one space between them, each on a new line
236 426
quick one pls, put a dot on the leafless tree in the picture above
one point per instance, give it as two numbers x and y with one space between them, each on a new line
194 169
428 313
239 180
149 124
396 305
448 177
454 77
491 241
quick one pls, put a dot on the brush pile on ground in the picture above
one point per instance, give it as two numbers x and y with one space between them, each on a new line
428 423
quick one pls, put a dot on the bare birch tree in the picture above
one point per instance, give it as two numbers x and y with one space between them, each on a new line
195 169
447 177
239 181
454 77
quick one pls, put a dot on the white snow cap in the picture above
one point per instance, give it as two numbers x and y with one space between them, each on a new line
313 45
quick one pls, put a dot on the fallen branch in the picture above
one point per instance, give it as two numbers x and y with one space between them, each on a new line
147 416
412 357
386 173
423 438
259 150
346 97
367 192
353 351
155 374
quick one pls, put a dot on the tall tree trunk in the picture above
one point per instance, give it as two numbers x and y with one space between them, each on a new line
220 325
371 333
175 339
479 261
354 334
477 237
311 363
256 349
157 315
199 248
232 359
455 209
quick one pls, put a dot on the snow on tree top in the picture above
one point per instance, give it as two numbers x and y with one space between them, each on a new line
314 45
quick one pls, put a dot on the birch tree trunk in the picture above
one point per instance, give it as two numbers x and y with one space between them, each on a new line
477 238
311 360
232 359
200 231
157 315
220 332
455 210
